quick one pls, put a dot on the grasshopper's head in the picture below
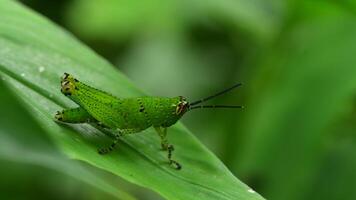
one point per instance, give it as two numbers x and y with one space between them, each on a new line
172 110
68 84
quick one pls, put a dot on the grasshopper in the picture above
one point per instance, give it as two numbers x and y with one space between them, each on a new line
127 115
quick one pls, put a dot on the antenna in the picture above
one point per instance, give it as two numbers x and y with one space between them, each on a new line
213 96
215 106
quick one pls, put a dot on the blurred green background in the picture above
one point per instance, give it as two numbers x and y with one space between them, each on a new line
297 59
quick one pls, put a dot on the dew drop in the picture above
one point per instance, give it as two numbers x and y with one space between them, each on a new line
250 191
23 74
41 69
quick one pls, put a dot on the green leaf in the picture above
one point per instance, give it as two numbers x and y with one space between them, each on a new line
34 54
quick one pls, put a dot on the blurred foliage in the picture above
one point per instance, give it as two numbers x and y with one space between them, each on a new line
291 121
296 137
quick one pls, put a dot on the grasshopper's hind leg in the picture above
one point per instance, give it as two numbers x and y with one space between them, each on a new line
166 146
75 115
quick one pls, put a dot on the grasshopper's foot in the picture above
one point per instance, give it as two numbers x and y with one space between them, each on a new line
103 151
109 149
174 163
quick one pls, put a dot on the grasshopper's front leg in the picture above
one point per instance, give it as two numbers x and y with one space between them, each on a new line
166 146
75 115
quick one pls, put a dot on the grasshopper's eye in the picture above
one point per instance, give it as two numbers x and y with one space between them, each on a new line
182 106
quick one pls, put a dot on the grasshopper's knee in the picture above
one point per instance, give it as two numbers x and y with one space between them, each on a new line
170 147
164 146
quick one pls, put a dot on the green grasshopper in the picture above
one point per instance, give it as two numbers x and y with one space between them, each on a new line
127 115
